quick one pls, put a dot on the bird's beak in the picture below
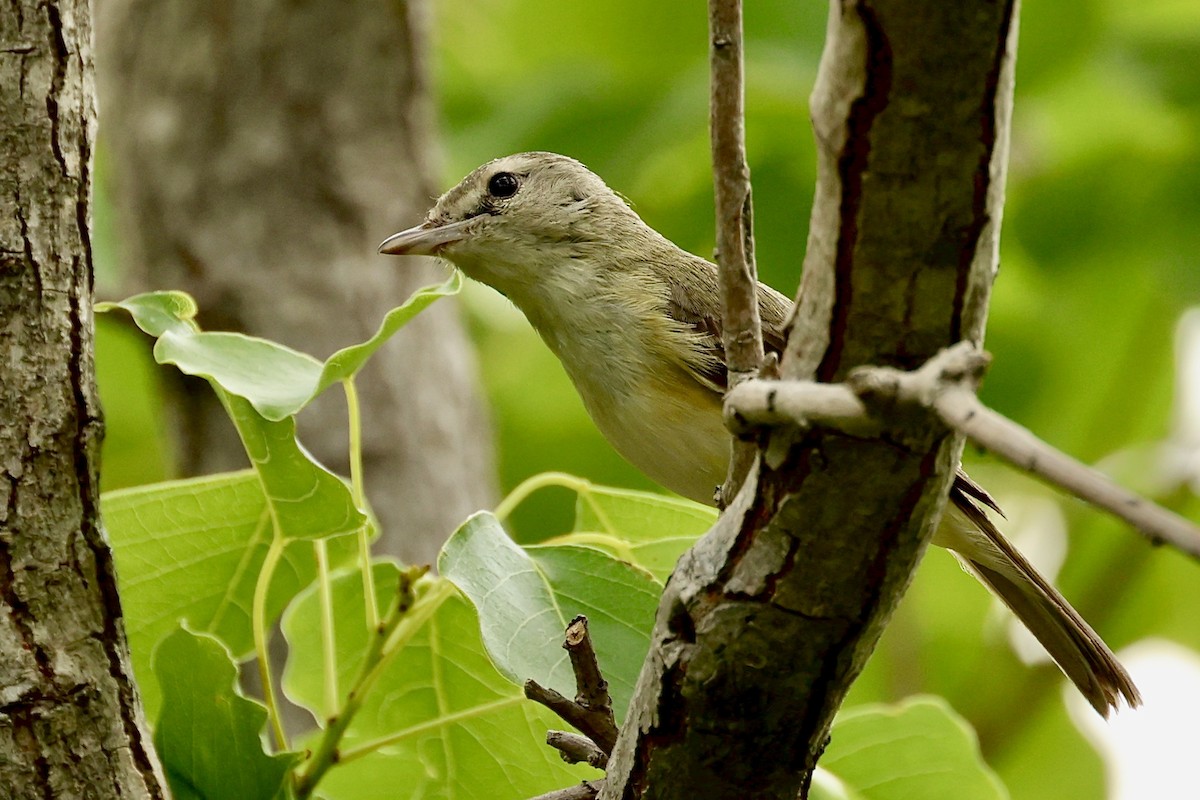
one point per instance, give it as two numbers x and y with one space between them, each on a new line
424 240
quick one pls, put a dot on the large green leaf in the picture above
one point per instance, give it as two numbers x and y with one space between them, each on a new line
191 550
261 385
209 734
349 360
651 530
464 730
276 380
303 675
306 500
525 598
158 312
918 748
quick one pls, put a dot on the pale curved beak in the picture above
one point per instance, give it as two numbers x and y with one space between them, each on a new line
424 240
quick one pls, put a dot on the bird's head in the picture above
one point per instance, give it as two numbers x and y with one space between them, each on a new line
520 220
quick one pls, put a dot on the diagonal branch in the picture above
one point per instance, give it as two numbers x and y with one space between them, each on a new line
945 385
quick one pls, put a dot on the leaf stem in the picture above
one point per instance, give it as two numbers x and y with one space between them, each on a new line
328 635
356 488
259 623
620 547
541 481
396 631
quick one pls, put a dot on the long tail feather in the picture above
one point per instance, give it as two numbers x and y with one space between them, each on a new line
1079 652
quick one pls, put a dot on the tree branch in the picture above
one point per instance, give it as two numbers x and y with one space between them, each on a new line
737 276
769 618
587 790
591 712
946 385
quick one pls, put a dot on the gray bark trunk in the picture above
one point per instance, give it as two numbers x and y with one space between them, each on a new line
260 151
70 717
767 621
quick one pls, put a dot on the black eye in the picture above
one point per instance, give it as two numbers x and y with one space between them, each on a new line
503 184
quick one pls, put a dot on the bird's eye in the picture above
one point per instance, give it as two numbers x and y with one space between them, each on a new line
503 184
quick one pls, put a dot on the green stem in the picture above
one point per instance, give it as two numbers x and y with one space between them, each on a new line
537 482
328 640
389 639
356 488
259 623
618 546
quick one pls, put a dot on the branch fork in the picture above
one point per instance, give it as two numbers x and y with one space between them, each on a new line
873 398
590 712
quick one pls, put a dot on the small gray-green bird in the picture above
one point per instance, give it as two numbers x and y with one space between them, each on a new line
636 323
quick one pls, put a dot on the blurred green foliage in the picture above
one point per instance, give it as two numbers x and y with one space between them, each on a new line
1100 254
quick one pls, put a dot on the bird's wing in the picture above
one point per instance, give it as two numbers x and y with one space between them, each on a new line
692 303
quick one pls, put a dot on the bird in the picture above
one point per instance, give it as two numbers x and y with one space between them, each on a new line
636 323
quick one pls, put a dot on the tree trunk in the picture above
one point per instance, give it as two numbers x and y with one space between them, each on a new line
260 151
767 621
71 720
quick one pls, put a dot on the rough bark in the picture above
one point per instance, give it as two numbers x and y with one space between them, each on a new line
260 151
70 717
767 621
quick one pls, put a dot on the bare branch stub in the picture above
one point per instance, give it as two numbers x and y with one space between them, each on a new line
591 688
591 711
568 710
576 749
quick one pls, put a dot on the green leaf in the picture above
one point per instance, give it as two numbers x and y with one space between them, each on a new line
191 550
918 748
306 500
209 734
465 730
349 360
277 380
303 675
827 786
158 312
654 529
525 598
261 384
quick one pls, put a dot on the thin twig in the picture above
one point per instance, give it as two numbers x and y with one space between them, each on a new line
588 790
767 403
594 726
737 275
576 748
946 385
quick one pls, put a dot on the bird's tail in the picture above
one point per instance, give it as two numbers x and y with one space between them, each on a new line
1079 652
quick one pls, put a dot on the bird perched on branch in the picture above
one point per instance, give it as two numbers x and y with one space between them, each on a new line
636 323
